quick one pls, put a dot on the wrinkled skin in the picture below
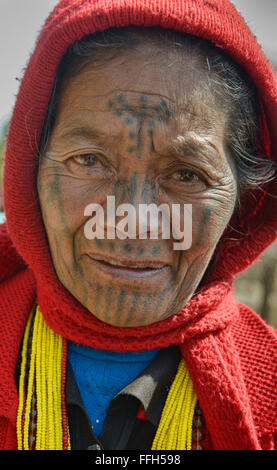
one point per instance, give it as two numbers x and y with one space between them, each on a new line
139 127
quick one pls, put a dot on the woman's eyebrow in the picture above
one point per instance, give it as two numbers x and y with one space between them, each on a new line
86 132
197 146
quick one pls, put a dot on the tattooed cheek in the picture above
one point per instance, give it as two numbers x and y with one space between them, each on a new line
203 226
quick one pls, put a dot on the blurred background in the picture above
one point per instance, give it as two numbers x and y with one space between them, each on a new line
20 22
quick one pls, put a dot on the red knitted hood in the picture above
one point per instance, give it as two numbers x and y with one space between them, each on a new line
213 306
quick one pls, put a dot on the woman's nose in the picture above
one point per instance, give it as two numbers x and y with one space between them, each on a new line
134 209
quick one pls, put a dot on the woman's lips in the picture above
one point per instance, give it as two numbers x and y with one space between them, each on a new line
128 269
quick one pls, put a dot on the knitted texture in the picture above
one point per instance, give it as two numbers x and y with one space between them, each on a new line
219 338
10 260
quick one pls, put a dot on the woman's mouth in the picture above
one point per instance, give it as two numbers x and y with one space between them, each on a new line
129 269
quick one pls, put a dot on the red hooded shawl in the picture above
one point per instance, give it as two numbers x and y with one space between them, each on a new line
230 352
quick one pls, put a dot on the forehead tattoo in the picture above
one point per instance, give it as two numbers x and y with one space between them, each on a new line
137 116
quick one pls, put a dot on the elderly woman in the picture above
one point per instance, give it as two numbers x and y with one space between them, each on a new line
127 342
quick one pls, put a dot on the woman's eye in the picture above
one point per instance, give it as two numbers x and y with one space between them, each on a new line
88 159
186 176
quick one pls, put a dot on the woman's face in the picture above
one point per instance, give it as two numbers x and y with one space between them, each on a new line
138 127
